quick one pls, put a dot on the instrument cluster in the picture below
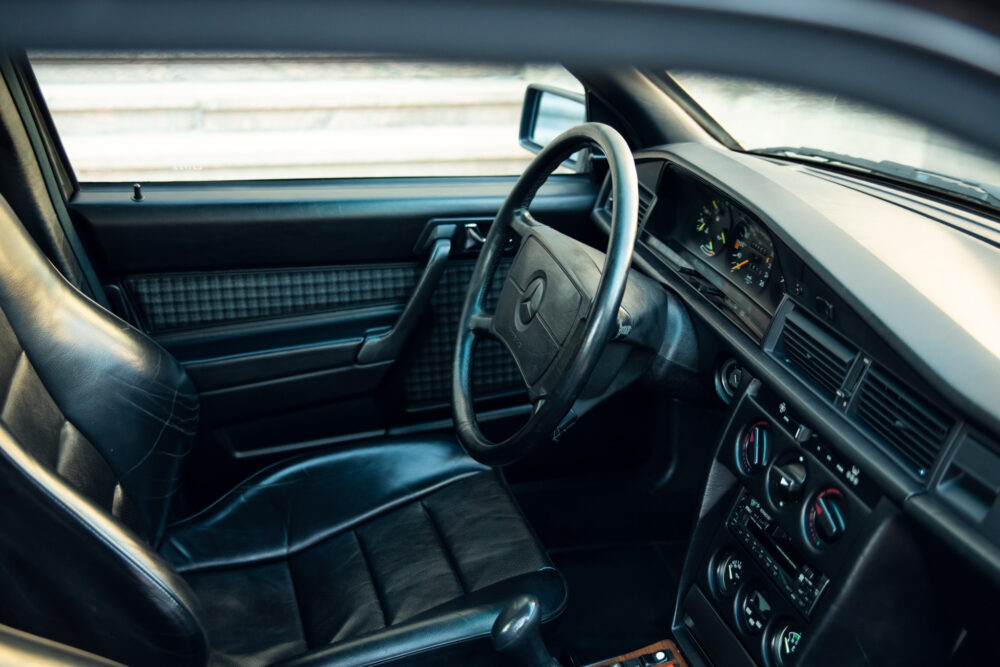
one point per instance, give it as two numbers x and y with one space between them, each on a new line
730 254
734 244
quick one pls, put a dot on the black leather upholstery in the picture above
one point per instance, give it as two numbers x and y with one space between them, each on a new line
94 421
383 552
103 403
360 543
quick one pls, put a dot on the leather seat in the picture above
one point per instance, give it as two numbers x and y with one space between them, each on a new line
394 551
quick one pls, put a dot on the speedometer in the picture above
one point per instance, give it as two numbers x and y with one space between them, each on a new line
751 256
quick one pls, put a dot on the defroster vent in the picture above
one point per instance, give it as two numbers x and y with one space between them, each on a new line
811 349
908 422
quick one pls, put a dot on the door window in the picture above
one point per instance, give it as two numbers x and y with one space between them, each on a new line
144 117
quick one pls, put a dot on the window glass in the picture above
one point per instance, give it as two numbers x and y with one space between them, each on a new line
173 117
766 117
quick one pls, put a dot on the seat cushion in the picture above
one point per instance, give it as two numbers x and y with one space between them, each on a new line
360 556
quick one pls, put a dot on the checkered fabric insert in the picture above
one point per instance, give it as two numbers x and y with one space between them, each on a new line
428 377
174 301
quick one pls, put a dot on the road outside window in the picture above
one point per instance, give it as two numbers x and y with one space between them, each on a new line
158 117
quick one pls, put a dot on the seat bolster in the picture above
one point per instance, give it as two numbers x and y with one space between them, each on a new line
75 575
122 391
452 633
294 504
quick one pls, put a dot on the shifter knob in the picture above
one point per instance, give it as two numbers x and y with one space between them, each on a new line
517 632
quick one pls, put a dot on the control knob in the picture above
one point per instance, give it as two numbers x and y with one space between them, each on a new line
728 573
787 480
755 447
785 642
826 517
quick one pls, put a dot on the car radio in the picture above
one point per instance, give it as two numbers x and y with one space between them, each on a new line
772 548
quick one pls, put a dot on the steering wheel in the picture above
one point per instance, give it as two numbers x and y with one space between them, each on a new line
558 307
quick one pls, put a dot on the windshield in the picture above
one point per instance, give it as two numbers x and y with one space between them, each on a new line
783 120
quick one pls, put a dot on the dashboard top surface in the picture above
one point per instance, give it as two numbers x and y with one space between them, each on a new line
928 289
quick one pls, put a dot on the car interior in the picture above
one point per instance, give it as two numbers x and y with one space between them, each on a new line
660 399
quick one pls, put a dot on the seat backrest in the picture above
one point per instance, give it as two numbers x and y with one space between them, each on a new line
95 420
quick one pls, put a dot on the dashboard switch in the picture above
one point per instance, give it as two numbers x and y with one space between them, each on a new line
824 308
753 609
657 658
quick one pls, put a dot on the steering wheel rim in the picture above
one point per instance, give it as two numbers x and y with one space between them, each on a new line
589 336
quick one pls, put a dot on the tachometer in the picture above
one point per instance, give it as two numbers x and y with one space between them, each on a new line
711 229
751 256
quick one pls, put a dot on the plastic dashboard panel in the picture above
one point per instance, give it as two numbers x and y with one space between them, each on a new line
815 225
853 243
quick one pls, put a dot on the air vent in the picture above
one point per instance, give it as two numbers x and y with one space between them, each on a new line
646 201
909 423
811 349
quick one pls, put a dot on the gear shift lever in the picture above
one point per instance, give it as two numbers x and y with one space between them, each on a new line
517 632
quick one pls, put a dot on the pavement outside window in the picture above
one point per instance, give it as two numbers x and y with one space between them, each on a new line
148 117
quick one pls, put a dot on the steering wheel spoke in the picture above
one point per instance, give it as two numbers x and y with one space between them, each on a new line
522 223
481 324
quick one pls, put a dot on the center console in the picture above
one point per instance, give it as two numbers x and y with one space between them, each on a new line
794 547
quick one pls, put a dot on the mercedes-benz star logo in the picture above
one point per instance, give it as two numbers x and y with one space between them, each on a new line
532 299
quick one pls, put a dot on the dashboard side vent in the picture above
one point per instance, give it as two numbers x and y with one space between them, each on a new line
811 349
908 422
646 201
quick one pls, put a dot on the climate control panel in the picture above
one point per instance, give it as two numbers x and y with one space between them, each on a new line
771 569
813 495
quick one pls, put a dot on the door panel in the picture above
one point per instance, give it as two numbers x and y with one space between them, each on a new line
426 369
192 227
267 293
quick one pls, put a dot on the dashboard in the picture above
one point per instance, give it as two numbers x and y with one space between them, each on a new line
716 232
869 401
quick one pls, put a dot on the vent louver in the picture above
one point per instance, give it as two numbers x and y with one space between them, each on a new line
812 350
904 420
646 201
